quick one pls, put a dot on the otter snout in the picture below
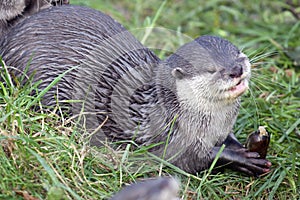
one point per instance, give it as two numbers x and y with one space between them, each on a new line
236 71
232 72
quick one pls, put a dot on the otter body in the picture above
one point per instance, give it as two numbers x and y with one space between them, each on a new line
192 97
13 11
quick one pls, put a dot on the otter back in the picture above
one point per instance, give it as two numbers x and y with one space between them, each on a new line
105 55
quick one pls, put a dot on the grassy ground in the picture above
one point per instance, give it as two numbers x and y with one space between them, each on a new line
44 157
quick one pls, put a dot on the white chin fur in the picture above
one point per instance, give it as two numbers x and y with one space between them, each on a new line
196 92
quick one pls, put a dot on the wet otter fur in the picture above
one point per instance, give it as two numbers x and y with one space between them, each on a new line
192 97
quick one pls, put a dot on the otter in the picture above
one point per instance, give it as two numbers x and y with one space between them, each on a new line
162 188
13 11
186 104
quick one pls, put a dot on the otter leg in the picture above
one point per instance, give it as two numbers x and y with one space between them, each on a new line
232 143
235 156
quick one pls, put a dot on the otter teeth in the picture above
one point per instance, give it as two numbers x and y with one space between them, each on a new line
235 86
239 88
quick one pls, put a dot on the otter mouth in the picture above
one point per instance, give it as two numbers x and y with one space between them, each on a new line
239 88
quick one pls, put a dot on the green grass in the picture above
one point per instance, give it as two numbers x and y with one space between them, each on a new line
44 156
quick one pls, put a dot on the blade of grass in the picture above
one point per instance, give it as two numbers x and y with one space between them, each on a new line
44 91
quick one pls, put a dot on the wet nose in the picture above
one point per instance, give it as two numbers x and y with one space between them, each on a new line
236 71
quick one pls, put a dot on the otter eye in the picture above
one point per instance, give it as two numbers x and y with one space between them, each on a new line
178 73
211 71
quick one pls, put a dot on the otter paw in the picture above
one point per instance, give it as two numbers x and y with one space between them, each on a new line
252 164
245 161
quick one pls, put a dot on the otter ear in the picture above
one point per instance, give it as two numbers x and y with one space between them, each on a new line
178 73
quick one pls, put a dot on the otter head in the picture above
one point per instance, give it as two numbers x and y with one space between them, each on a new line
209 71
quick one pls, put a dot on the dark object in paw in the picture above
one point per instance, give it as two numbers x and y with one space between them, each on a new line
258 141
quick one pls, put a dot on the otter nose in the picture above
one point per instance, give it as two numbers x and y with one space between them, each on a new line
236 71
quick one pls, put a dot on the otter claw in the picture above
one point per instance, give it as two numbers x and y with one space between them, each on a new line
252 154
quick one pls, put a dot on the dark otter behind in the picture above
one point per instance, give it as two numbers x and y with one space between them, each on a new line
13 11
163 188
192 97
